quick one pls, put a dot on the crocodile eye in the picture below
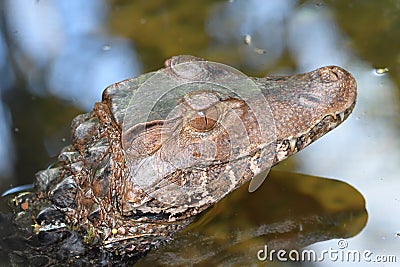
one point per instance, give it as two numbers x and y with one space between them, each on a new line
205 120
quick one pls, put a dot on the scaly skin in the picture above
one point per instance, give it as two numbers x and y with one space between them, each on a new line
95 187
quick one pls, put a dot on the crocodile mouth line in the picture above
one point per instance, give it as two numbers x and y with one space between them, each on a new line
291 145
286 147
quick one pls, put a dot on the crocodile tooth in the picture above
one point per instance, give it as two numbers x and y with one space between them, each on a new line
341 116
292 144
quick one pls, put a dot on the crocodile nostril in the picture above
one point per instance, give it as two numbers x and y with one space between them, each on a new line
331 74
335 72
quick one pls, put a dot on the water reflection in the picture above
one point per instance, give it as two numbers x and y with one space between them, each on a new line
82 76
293 211
264 21
68 47
369 133
314 40
6 73
365 150
6 144
274 26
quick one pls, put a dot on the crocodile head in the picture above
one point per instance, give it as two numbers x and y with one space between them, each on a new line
165 146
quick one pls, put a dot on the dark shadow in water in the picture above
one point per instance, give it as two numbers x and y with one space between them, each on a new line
290 211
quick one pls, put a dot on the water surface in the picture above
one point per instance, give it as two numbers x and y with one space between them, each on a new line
56 57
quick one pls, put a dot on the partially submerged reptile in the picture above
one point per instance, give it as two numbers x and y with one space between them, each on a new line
165 146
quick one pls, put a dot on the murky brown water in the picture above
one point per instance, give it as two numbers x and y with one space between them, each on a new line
55 60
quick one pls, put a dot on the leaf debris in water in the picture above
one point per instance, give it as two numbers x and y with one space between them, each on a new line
247 41
381 70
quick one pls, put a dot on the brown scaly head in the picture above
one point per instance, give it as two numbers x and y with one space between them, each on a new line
164 146
307 106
